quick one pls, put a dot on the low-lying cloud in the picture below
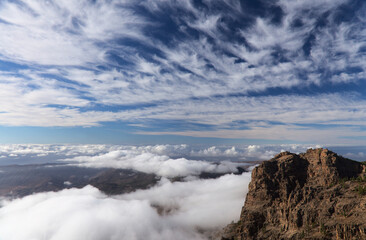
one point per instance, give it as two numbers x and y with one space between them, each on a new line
237 152
187 211
167 160
152 163
190 209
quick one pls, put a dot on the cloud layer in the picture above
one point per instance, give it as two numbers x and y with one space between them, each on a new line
151 163
183 159
251 67
190 209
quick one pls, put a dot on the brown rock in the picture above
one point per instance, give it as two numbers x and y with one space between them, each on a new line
313 195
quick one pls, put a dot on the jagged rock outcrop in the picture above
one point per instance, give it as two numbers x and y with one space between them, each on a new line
313 195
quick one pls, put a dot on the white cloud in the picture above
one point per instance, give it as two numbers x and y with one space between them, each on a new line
87 213
231 152
67 183
338 136
65 43
165 160
62 32
192 202
211 151
160 165
289 109
41 150
298 117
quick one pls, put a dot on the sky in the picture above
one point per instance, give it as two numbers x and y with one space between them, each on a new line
184 71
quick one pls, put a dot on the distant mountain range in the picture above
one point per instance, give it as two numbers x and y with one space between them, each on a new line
22 180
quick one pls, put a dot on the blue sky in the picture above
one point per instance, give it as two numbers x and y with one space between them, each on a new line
158 71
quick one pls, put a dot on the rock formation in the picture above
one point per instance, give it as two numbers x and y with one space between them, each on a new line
313 195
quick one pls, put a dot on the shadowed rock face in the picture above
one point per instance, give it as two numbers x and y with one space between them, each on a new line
313 195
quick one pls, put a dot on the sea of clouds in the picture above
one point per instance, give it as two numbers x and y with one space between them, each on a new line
190 209
40 153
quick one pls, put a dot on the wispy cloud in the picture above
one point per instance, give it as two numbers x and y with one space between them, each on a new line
65 33
249 61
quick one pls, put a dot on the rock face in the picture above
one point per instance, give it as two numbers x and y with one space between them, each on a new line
313 195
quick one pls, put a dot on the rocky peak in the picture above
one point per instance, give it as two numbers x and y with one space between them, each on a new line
326 167
292 196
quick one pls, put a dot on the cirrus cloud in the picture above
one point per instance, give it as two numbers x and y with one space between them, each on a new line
87 63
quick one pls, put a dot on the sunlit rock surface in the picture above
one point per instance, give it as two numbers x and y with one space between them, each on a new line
313 195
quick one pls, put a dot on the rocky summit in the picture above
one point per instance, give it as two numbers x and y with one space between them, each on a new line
312 195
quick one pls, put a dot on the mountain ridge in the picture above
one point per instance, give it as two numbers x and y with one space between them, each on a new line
312 195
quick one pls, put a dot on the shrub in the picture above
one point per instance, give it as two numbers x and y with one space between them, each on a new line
361 190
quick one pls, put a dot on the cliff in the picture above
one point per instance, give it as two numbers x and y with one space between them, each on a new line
313 195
